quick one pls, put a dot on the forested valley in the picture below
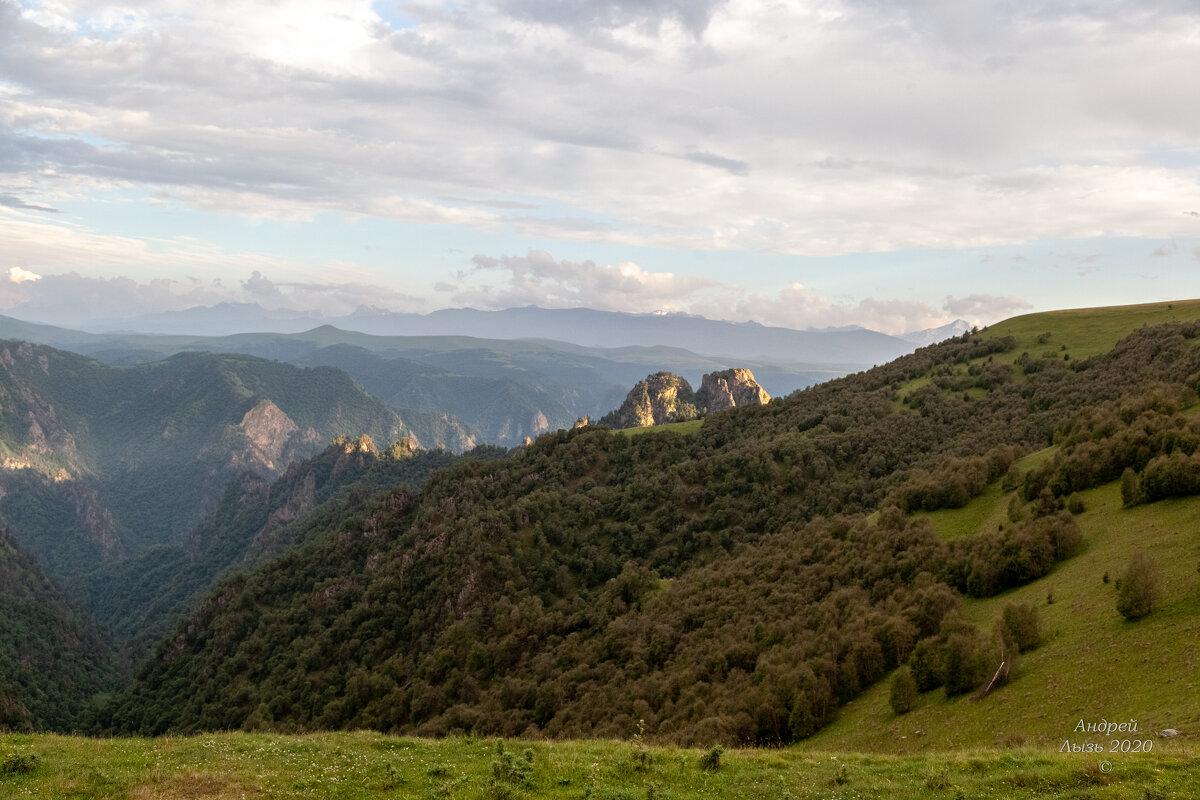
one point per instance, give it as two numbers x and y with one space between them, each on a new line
738 583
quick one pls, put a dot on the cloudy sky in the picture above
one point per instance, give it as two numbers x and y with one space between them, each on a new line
805 163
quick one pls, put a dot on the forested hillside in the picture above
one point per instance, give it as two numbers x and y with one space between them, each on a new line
52 661
141 598
732 584
100 463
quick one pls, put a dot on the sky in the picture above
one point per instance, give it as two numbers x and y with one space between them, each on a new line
811 163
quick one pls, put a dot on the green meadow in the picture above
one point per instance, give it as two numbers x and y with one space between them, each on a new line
1087 332
348 766
1093 665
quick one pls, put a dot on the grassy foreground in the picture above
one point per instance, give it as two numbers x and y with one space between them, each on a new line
369 765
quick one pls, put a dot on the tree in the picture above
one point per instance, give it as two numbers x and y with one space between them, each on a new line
1131 488
1023 626
904 691
1138 589
963 661
927 669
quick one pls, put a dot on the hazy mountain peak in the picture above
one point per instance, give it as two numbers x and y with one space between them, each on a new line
938 334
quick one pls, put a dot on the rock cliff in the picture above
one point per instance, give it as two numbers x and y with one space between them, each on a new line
665 397
662 397
729 388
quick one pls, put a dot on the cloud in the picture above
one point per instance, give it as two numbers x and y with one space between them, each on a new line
730 165
19 275
261 287
801 307
78 301
539 279
698 125
983 309
650 15
9 201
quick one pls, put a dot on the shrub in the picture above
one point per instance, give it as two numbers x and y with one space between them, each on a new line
1131 488
18 764
904 691
508 769
711 761
964 666
926 665
1137 591
1021 621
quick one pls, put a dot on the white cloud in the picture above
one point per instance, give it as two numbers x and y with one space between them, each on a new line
669 124
19 275
982 309
801 307
79 301
539 279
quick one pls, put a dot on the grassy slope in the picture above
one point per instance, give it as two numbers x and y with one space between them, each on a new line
1094 664
368 765
1089 331
1074 333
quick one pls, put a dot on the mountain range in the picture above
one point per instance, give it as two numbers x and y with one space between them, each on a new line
587 327
501 390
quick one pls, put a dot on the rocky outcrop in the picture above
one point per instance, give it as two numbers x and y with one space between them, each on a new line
663 397
268 429
730 388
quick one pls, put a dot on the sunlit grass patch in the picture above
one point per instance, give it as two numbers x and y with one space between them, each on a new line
691 426
1088 331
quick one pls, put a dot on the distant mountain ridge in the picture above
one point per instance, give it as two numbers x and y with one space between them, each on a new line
502 389
939 334
853 346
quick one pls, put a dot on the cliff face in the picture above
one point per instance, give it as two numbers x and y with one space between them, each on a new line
663 397
729 388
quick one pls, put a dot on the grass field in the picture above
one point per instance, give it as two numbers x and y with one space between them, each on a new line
349 766
1094 664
